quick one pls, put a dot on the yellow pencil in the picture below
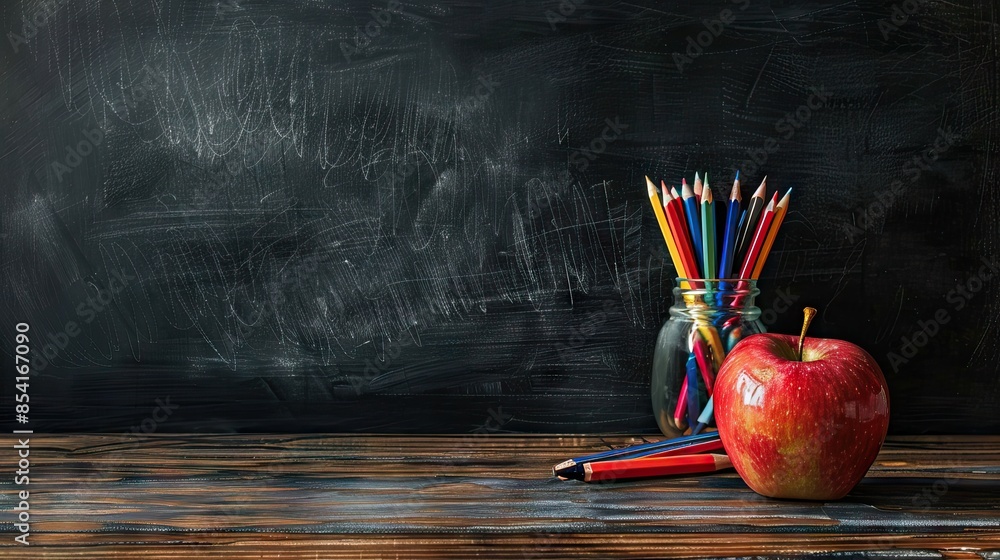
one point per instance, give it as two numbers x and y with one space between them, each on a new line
779 214
661 219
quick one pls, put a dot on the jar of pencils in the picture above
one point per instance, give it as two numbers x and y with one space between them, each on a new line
707 319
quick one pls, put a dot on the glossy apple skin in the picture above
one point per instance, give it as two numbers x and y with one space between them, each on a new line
805 429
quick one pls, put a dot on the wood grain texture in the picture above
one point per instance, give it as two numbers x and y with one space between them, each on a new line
190 496
440 221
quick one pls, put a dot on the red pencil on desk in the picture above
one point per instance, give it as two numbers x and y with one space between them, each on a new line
645 467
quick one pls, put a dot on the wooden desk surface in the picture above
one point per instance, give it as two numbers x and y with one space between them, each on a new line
353 496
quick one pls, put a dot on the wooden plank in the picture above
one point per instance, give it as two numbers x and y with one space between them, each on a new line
176 496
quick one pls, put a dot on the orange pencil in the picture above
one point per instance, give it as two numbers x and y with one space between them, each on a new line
772 233
644 468
661 220
753 252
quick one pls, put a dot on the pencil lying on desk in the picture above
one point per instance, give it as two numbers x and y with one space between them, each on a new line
577 471
606 471
638 450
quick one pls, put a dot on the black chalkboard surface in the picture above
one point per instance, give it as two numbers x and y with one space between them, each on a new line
256 216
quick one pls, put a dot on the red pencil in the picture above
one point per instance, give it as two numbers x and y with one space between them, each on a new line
678 225
701 355
644 468
681 406
758 238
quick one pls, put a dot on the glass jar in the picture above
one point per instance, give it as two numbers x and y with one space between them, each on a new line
707 319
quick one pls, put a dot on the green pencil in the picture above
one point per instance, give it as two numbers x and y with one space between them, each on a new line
708 233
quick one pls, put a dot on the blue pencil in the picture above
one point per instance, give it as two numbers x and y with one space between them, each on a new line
729 238
694 222
705 418
692 378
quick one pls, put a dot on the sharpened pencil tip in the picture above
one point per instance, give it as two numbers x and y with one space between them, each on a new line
785 199
650 187
737 175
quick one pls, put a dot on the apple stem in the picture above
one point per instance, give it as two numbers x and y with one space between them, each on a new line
809 313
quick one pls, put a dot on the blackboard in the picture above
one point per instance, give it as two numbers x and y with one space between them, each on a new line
250 216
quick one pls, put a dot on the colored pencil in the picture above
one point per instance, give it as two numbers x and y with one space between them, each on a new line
753 251
709 445
772 233
705 418
664 228
681 407
708 234
606 471
691 368
749 224
729 236
713 241
711 337
694 224
691 449
637 450
678 226
702 356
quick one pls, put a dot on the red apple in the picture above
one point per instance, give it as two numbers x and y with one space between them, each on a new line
801 417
